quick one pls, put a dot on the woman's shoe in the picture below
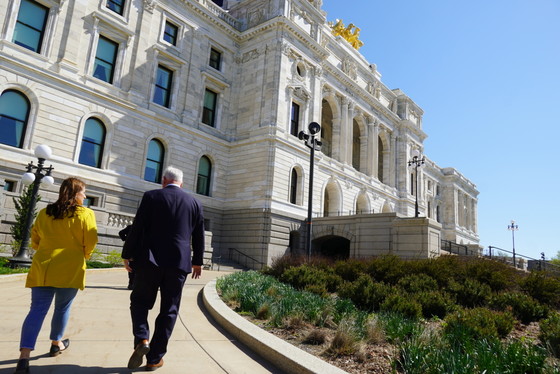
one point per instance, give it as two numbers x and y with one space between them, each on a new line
55 349
22 366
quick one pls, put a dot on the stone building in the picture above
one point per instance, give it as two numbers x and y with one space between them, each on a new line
120 89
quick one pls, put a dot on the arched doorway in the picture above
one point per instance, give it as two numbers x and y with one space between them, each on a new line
332 246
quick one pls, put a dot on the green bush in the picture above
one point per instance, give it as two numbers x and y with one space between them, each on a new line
365 293
543 287
349 270
435 303
478 323
550 333
524 307
303 276
401 303
471 293
387 269
497 275
417 283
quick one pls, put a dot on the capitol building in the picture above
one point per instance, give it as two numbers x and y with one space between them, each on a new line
222 89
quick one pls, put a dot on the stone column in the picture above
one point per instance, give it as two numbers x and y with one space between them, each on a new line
342 141
350 134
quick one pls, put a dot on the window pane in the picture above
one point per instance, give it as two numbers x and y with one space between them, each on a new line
105 59
162 90
170 33
215 59
203 178
294 123
116 6
14 109
30 25
154 161
92 143
209 110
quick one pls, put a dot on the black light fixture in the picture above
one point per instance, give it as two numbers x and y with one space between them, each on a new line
42 152
513 227
415 164
315 145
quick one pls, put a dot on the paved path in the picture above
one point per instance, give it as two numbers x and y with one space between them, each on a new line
100 332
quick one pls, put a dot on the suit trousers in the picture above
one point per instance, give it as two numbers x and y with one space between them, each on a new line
148 280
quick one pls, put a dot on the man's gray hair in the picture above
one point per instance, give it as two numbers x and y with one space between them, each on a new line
173 174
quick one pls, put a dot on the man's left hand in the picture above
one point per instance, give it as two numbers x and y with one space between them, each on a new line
196 271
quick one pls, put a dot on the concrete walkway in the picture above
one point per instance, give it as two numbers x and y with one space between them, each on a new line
100 332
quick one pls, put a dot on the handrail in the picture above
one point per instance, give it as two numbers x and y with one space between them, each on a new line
245 257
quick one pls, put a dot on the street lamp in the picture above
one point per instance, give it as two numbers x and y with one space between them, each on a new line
416 163
513 227
42 152
314 145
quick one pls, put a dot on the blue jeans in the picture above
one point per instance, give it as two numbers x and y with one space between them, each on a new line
41 300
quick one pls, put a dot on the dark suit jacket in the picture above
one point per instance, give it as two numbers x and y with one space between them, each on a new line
167 222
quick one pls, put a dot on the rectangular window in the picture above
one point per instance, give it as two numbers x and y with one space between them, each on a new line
30 25
9 186
105 59
116 6
294 121
215 59
90 201
209 109
162 92
170 33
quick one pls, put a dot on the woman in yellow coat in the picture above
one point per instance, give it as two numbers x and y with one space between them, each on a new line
64 236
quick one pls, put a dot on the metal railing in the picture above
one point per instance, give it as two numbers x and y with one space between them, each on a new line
244 259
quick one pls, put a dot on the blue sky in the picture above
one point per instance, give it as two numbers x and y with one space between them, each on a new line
486 73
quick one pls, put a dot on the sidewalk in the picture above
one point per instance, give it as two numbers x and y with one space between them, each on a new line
100 332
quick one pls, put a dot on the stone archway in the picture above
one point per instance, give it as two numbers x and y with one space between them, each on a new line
332 246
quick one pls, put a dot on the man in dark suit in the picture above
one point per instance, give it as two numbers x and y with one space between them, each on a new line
168 220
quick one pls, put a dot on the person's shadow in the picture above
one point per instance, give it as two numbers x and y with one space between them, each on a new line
64 369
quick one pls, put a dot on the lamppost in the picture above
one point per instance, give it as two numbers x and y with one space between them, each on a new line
415 164
42 152
513 227
314 145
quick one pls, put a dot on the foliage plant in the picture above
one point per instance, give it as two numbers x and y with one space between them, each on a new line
550 333
22 204
524 307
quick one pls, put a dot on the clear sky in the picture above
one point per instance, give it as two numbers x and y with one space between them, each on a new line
487 75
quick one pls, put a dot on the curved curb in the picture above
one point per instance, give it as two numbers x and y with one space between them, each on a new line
282 354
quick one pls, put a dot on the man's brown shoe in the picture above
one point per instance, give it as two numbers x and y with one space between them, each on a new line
138 355
153 367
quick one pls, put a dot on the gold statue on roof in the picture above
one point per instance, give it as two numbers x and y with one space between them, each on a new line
338 29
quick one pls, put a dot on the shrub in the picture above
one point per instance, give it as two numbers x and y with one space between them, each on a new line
345 341
387 269
417 283
281 264
402 304
524 307
497 275
550 333
478 323
315 337
349 270
435 303
365 293
544 288
304 276
471 293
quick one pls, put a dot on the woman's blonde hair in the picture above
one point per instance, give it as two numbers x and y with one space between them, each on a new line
67 201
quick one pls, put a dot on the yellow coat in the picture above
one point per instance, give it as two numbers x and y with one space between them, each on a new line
62 246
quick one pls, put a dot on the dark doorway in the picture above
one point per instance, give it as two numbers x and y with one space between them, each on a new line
335 247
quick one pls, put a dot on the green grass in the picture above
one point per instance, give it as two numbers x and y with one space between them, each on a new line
6 269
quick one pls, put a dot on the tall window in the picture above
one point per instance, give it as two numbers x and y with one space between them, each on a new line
154 161
105 58
93 141
203 179
30 25
162 92
209 109
170 33
215 59
293 187
116 6
14 112
294 120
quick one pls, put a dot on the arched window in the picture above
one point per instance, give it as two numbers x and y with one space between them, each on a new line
154 161
293 187
93 141
203 179
14 112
